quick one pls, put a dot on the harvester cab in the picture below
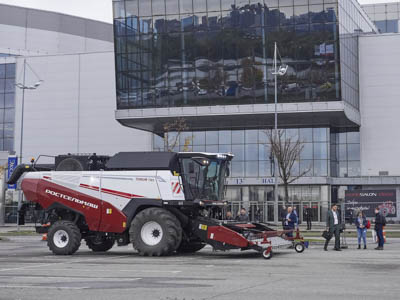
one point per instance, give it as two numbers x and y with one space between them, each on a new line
203 176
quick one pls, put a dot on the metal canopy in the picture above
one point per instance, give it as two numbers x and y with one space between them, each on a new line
242 121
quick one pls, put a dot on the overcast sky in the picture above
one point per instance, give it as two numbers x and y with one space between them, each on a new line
95 9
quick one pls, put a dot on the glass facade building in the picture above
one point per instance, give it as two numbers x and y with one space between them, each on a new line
173 53
196 56
386 16
7 106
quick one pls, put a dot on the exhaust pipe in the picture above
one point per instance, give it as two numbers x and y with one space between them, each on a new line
18 172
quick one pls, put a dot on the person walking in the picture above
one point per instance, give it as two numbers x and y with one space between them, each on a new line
308 215
283 216
361 224
297 217
333 226
380 221
291 221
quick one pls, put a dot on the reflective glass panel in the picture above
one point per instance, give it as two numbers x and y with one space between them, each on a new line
238 151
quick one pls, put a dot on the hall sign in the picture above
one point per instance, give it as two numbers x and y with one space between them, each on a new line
368 200
251 181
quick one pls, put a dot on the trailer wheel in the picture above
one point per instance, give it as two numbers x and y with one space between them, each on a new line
64 238
299 247
267 253
100 244
155 232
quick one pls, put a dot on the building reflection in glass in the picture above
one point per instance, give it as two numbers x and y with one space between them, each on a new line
206 52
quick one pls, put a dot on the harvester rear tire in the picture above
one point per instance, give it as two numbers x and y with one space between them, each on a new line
64 238
155 232
100 245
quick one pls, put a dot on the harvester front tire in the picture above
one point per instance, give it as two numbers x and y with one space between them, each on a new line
64 238
100 244
155 232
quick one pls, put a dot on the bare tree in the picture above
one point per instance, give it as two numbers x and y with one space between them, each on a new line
287 150
177 126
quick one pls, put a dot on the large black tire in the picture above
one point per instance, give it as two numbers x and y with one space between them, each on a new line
155 232
64 238
190 247
101 244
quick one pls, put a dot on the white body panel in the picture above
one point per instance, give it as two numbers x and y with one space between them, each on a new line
117 187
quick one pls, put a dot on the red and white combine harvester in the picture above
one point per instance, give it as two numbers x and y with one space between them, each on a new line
161 202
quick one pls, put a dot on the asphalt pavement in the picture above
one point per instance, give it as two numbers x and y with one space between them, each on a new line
28 270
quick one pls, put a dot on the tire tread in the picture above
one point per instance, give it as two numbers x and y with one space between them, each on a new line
173 232
74 236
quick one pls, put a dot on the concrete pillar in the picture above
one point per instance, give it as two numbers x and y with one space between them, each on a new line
325 201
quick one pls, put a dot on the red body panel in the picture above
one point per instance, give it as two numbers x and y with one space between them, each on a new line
225 235
99 215
112 219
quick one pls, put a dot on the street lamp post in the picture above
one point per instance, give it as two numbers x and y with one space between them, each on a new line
23 87
22 112
281 71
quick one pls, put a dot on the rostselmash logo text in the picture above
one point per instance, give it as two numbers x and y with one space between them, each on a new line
72 199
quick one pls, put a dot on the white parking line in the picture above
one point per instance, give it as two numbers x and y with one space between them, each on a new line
60 263
42 287
104 270
75 277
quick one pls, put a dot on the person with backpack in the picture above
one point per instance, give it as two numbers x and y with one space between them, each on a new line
361 224
380 222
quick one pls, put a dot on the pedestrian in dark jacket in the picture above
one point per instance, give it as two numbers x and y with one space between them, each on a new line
308 215
229 216
361 224
283 216
333 222
297 217
380 221
243 216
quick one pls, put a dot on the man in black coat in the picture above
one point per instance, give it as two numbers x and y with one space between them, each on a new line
333 226
308 216
380 221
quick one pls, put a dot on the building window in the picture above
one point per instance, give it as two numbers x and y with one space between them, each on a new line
7 106
345 153
252 150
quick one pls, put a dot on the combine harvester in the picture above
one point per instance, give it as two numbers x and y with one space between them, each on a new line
161 202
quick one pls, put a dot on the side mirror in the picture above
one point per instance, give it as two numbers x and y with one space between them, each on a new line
227 172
